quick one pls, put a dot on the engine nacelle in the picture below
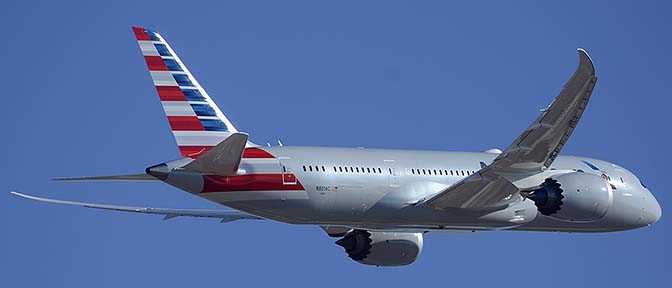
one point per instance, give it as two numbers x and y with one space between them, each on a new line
382 248
573 197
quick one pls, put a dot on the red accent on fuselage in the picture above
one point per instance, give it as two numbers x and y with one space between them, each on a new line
155 63
194 151
197 151
170 93
256 153
185 123
252 182
140 33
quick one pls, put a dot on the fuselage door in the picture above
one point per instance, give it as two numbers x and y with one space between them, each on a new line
392 172
288 177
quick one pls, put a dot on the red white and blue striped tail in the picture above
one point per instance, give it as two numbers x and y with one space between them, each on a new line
196 121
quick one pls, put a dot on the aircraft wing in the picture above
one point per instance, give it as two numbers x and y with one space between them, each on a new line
532 152
225 215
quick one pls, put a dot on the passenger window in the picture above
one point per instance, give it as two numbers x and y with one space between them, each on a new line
323 169
310 168
340 168
368 170
435 172
380 170
462 172
304 168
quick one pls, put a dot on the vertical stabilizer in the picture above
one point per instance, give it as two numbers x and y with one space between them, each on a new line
196 121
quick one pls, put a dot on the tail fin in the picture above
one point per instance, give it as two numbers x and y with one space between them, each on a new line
196 121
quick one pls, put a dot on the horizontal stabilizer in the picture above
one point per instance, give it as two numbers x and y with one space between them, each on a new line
223 159
225 215
109 178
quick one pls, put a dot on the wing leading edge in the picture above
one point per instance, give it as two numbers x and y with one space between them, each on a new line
532 152
225 215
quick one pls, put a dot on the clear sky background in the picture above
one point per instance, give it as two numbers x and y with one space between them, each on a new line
78 101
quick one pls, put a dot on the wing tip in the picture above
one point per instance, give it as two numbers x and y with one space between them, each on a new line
25 195
585 60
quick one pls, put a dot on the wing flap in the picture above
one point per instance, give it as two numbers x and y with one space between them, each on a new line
225 215
538 146
531 153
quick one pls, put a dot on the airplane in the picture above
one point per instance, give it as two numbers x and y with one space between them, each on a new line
380 202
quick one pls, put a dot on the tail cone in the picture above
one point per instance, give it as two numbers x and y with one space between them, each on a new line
159 171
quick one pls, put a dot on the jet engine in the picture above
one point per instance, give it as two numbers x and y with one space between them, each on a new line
382 248
573 197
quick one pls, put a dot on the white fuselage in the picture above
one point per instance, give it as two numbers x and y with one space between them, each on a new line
378 189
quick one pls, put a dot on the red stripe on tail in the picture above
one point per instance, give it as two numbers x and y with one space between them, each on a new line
170 93
155 63
185 123
140 34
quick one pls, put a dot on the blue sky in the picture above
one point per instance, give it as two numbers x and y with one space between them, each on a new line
393 74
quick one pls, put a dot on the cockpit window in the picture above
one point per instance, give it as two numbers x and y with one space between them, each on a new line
642 183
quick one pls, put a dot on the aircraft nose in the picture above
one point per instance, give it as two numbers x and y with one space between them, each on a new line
653 210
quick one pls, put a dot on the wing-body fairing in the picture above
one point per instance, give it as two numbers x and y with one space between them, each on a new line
224 215
531 153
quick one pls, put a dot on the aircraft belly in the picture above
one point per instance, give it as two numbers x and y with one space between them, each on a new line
225 198
285 206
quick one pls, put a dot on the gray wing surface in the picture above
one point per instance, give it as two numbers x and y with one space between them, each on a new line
531 153
225 215
138 177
